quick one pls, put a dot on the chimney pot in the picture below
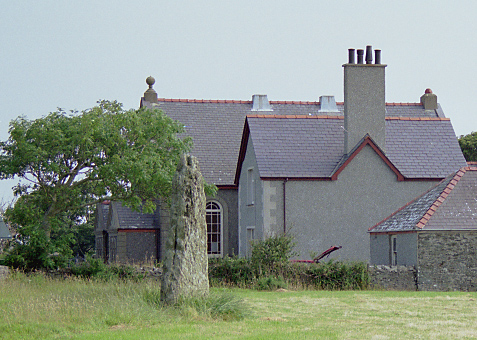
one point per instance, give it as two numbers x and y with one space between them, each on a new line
351 54
360 56
369 54
377 57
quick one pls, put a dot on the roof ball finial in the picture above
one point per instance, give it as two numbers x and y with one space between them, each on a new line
428 91
150 81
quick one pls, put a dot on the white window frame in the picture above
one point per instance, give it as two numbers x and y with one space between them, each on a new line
250 187
220 211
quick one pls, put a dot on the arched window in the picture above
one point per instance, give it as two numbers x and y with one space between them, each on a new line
213 216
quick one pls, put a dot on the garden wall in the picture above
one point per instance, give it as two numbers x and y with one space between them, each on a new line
392 277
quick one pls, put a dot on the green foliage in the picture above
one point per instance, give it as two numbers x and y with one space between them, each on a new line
270 268
271 283
468 144
273 250
67 162
97 269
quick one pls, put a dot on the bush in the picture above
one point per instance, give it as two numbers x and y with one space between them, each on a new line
270 268
97 269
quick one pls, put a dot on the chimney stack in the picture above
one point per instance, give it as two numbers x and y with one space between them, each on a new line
364 99
429 100
260 103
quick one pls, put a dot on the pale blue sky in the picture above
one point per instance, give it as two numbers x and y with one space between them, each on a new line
69 54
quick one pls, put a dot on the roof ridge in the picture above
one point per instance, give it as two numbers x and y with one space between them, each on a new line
444 194
293 116
209 101
240 101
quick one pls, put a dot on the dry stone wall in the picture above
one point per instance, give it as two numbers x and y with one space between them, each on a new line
447 261
392 277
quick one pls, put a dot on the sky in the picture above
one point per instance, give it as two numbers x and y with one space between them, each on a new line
70 54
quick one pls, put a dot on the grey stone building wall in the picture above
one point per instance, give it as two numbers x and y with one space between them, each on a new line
321 214
141 246
392 278
447 260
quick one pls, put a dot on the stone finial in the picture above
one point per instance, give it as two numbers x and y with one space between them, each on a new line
150 95
429 100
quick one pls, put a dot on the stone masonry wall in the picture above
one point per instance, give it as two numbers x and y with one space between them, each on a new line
392 278
447 261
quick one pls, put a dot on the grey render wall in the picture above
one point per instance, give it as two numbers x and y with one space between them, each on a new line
250 216
326 213
380 249
228 199
447 260
365 107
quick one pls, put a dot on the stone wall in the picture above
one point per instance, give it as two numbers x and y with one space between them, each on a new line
392 277
447 260
4 272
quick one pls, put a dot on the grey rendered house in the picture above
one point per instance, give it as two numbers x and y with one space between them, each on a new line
436 233
326 174
321 170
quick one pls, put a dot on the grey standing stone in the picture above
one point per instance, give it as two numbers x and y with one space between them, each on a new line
4 272
185 268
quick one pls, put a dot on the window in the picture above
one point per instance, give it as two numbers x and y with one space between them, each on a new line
393 250
250 238
250 187
213 217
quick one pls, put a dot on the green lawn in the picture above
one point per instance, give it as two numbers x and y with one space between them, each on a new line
40 308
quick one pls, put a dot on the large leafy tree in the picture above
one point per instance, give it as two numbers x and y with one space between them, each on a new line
68 161
468 144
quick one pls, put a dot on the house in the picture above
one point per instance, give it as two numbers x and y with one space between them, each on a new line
326 173
323 171
436 233
125 235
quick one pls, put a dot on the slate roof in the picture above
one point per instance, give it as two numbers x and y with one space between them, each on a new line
312 146
216 128
4 232
450 205
130 219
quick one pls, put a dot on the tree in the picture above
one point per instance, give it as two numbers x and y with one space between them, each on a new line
67 162
468 144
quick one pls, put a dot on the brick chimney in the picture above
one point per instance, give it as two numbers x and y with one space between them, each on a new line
364 98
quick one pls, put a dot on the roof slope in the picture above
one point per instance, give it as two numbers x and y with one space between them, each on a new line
216 128
130 219
450 205
4 232
312 146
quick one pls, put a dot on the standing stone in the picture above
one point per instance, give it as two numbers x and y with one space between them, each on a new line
185 269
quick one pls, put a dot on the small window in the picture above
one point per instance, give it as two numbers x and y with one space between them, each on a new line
213 216
250 238
250 187
394 250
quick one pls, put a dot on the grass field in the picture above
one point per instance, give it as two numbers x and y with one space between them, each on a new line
40 308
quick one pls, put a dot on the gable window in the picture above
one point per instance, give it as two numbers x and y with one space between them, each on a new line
393 250
213 217
250 187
